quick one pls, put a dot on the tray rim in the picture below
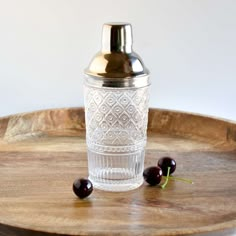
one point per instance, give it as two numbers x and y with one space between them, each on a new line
197 114
169 121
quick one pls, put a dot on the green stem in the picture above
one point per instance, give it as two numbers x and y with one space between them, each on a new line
167 178
180 179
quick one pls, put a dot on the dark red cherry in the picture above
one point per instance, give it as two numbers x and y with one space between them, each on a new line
82 188
166 162
152 175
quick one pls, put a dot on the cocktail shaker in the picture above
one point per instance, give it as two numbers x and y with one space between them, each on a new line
116 95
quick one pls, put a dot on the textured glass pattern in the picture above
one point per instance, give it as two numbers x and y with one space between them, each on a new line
116 117
116 124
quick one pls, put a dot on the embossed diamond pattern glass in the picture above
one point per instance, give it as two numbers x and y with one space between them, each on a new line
116 112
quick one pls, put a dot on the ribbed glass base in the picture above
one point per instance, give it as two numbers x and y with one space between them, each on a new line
116 171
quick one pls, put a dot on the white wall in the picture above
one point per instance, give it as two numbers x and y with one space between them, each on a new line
188 45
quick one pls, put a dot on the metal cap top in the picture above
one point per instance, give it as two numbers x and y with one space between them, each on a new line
117 37
116 65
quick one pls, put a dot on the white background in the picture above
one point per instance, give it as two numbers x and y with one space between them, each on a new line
189 47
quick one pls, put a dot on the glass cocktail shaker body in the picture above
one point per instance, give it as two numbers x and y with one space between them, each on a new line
116 88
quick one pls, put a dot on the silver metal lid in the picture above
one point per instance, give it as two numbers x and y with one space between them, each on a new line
116 65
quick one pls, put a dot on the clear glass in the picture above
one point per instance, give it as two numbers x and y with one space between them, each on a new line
116 125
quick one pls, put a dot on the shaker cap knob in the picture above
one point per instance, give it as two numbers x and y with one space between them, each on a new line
117 37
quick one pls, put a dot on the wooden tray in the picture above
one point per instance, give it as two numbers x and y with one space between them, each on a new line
41 153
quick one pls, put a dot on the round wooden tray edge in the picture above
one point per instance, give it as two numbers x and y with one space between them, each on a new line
71 121
226 228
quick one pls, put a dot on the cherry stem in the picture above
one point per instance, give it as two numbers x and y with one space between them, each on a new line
167 178
180 179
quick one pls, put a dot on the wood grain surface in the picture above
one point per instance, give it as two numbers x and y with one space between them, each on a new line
41 153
